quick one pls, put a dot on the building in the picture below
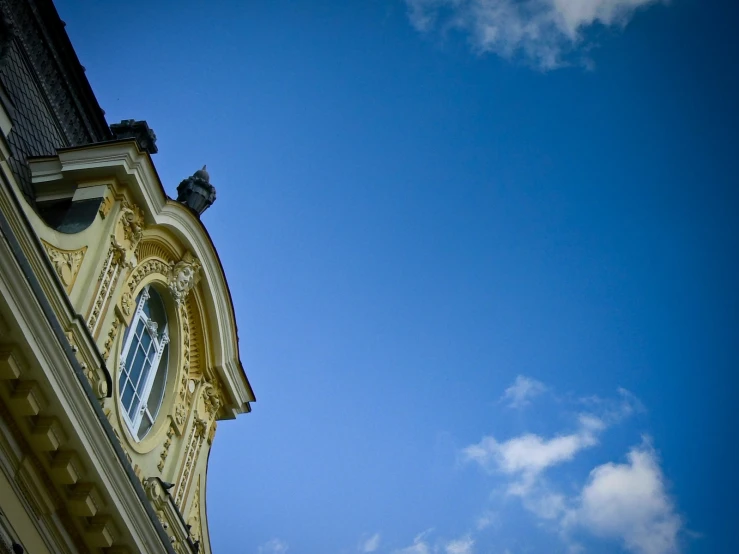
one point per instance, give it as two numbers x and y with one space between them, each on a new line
118 341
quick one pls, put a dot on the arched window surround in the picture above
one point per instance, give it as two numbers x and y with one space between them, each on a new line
144 364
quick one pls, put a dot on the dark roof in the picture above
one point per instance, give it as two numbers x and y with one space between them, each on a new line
43 86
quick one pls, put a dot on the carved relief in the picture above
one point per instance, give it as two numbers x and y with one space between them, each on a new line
194 520
111 337
194 443
154 491
184 317
123 242
66 263
195 337
180 414
114 260
105 206
127 303
145 269
99 385
165 450
211 398
132 223
184 276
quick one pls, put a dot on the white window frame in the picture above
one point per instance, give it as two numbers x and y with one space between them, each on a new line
142 389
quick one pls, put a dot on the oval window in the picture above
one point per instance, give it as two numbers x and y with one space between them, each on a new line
143 365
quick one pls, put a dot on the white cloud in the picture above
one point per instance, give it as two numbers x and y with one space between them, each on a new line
462 545
487 519
273 546
629 502
523 389
420 544
528 455
542 31
370 544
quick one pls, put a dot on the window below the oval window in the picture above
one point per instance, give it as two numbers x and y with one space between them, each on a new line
143 365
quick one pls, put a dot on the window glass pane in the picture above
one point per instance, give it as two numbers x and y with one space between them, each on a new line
127 396
156 311
142 382
157 389
135 403
145 340
132 348
145 425
137 366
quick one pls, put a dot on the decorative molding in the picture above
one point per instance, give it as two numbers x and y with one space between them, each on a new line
66 263
123 243
108 276
106 205
146 268
194 443
211 398
132 221
110 340
180 416
194 520
212 432
154 247
127 303
165 449
94 375
11 363
185 342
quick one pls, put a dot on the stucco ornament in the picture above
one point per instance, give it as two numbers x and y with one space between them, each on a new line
127 303
132 222
211 398
183 277
180 415
66 263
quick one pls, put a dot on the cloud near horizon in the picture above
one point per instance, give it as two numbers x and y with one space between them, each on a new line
370 544
273 546
423 544
543 32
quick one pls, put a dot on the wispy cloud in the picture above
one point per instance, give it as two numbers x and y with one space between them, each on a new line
520 393
423 544
420 544
462 545
526 456
273 546
486 520
543 32
370 544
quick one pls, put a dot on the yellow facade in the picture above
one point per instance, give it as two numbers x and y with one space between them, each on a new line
74 477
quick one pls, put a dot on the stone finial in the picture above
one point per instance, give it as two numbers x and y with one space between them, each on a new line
196 192
139 130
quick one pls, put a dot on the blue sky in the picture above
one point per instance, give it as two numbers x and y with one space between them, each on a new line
484 260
